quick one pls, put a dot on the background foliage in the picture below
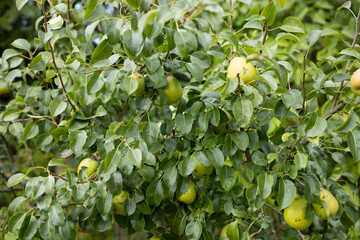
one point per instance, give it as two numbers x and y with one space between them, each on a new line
294 131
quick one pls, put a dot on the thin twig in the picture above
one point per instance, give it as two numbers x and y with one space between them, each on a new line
347 64
301 235
303 85
147 111
7 148
53 56
268 205
11 190
68 10
292 149
231 16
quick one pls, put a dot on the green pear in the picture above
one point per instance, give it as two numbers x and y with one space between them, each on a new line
91 165
118 202
141 84
202 170
295 215
173 90
4 90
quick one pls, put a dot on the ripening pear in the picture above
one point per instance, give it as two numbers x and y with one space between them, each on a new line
331 202
91 165
295 215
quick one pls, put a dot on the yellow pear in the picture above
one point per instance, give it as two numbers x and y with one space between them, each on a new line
189 196
118 202
141 84
331 202
235 67
295 214
91 165
355 82
173 90
201 170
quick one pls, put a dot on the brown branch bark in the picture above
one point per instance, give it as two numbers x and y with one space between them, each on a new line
292 149
53 57
348 63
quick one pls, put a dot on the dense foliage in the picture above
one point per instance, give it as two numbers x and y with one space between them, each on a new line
100 80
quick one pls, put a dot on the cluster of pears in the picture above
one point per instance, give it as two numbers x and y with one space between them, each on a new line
239 67
295 215
173 89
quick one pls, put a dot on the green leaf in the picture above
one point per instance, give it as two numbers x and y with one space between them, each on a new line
195 71
90 8
313 37
286 193
269 12
193 230
16 221
282 2
20 4
134 156
11 114
316 126
292 24
30 131
353 139
312 188
56 107
56 214
216 157
114 29
17 205
227 177
29 228
77 140
134 3
232 231
150 133
154 193
21 44
102 51
300 160
184 123
187 165
243 110
16 129
104 205
57 162
241 139
89 31
185 42
47 229
265 183
201 59
133 41
115 183
130 85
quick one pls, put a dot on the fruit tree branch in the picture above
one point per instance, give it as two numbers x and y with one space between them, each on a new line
348 63
53 56
268 205
231 17
292 149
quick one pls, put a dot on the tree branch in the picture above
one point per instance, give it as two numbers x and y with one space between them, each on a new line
303 84
268 205
53 56
292 149
347 64
231 17
152 103
11 190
